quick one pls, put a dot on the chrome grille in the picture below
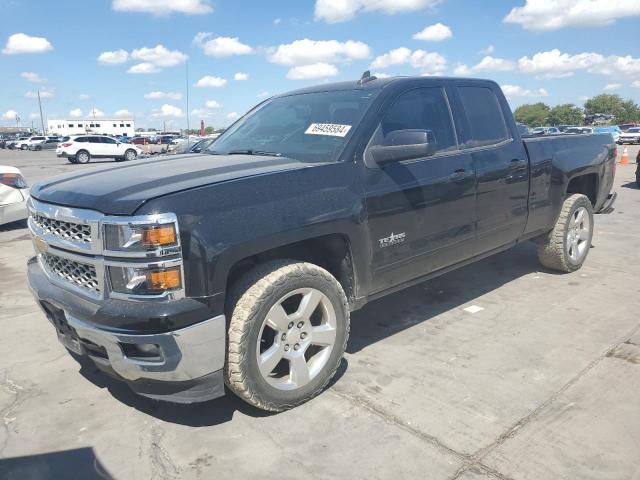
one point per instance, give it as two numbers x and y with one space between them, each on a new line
67 230
77 273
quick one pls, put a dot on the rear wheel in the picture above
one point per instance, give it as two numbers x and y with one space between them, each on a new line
24 147
287 334
565 248
82 157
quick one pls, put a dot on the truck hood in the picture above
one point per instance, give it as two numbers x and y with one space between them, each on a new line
122 189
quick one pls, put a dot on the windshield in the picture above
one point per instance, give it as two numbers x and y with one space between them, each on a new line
310 127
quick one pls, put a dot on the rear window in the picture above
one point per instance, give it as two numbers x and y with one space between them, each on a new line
484 116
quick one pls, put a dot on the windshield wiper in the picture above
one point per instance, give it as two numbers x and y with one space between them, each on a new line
254 152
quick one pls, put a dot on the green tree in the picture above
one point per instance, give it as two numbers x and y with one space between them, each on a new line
565 114
532 114
624 110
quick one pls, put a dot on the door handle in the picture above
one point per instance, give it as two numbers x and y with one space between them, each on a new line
516 162
460 175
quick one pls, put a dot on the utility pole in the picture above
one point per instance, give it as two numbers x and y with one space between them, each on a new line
187 85
44 132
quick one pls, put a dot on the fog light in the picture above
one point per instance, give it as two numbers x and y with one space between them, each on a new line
142 351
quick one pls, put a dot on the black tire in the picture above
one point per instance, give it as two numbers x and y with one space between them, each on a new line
24 147
37 148
252 298
71 160
553 249
130 155
82 157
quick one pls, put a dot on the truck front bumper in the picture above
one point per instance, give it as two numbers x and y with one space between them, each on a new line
181 366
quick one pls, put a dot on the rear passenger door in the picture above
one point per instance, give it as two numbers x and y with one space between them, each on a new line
421 212
501 165
111 147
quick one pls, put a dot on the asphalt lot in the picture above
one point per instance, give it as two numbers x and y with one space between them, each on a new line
541 382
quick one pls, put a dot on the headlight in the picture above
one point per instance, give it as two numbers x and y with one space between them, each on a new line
145 281
141 237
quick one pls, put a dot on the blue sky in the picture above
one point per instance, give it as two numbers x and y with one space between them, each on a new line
554 51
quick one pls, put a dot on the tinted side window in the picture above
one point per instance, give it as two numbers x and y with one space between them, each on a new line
484 115
82 139
422 109
107 140
94 139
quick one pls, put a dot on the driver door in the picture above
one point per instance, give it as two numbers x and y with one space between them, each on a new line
421 211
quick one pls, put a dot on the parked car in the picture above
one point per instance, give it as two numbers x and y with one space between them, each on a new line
523 129
14 193
242 264
82 148
613 131
25 144
553 131
632 135
626 126
140 141
573 131
48 144
539 131
11 145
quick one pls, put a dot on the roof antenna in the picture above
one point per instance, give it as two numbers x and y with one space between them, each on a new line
366 77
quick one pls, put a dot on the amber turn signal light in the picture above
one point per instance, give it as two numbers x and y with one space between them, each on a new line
159 236
160 280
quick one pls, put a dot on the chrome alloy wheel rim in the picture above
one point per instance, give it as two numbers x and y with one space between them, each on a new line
296 339
578 234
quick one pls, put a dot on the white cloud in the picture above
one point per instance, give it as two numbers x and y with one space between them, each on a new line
210 82
75 113
144 67
44 93
333 11
488 51
428 62
381 75
84 96
315 70
163 7
434 33
168 111
202 113
221 47
33 77
263 95
114 57
240 76
487 64
555 64
636 84
94 112
277 21
212 104
232 116
160 95
10 115
612 86
556 14
307 52
22 43
124 113
159 56
512 91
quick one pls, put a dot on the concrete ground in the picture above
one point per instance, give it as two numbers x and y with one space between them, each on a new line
541 382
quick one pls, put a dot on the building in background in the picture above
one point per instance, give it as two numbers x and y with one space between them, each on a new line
103 126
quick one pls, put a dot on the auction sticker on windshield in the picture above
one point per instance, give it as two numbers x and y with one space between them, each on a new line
331 129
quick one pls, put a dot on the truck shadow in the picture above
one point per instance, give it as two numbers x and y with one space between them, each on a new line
205 414
422 303
373 323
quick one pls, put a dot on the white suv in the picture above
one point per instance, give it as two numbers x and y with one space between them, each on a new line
25 144
82 148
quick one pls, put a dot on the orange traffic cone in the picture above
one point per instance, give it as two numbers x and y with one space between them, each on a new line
624 159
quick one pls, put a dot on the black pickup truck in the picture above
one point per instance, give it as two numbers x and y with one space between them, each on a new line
241 265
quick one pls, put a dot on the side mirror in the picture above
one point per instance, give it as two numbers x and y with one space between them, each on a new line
404 145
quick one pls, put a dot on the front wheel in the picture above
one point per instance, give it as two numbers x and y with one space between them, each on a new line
288 331
130 155
24 147
565 248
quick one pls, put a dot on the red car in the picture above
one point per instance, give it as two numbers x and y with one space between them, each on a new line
140 141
